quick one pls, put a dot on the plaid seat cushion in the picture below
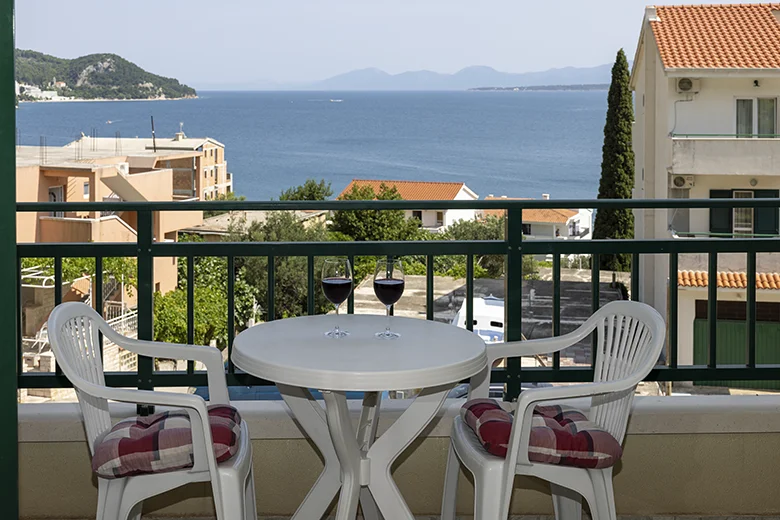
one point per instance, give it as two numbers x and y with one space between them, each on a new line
162 442
559 435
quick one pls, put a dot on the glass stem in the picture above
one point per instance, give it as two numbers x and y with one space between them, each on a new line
336 329
387 328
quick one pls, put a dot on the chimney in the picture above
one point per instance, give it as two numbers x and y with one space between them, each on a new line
178 136
651 13
503 196
545 196
490 196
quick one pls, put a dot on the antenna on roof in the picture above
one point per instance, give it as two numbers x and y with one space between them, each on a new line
154 139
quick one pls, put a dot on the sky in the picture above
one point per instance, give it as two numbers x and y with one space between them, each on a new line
259 43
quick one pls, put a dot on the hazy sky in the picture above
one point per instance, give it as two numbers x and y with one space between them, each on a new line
243 42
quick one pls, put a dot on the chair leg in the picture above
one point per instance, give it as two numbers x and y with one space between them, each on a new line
603 494
250 497
110 499
450 495
566 502
232 500
489 495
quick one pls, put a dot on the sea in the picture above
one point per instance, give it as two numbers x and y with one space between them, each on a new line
517 144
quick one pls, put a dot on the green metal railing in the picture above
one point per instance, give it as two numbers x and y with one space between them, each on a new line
512 247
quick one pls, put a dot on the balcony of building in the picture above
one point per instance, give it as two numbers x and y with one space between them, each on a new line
685 455
710 154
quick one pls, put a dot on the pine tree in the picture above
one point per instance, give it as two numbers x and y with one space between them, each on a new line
617 166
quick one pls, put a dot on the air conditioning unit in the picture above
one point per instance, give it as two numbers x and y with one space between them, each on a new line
123 168
682 182
688 86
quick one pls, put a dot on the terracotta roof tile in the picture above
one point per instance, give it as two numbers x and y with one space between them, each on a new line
544 216
412 190
727 36
728 280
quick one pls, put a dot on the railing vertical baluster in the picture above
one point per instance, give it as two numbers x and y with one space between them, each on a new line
97 296
231 309
145 300
712 309
470 292
310 279
513 309
19 327
271 288
750 318
635 277
595 287
351 299
673 300
429 287
556 306
190 308
57 294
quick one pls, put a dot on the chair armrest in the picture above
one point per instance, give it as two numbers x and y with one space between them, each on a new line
209 356
480 384
526 402
194 405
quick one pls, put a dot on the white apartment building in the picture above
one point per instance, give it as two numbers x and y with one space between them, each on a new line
706 82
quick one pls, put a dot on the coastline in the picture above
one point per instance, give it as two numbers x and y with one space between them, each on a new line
103 100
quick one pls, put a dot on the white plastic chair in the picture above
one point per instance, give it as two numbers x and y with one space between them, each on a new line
74 335
630 338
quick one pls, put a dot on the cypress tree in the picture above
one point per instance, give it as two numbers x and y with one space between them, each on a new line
617 166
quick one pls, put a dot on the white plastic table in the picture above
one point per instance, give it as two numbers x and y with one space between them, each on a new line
296 355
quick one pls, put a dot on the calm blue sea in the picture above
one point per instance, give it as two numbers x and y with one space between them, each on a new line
518 144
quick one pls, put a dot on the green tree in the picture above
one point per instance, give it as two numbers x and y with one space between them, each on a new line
309 190
617 166
374 224
290 273
119 268
210 301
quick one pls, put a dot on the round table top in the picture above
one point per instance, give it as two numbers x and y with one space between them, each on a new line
296 352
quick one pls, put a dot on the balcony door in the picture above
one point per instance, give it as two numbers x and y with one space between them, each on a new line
57 194
756 117
726 222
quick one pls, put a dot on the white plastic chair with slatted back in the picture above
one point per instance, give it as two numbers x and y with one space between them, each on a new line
630 337
181 444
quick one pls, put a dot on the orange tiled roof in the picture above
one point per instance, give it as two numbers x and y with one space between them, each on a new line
727 36
545 216
412 190
728 280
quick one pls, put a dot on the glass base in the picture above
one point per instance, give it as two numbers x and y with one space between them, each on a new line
386 334
337 333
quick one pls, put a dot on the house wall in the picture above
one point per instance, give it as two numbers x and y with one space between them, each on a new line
686 313
212 172
454 215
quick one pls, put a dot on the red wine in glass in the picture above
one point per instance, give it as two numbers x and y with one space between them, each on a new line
388 286
336 289
389 290
337 285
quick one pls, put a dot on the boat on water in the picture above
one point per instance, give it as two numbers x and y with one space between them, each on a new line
336 100
488 318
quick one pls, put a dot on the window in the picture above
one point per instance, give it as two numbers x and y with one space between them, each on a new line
157 287
526 229
86 190
439 218
744 221
417 215
574 228
680 219
756 117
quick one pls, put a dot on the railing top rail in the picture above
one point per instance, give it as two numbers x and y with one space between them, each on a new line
398 205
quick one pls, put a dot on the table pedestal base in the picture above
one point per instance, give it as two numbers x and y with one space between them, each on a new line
358 464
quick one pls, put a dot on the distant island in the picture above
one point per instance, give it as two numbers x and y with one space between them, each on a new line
41 77
596 86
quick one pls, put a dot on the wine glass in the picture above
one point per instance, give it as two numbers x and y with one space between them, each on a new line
337 285
388 287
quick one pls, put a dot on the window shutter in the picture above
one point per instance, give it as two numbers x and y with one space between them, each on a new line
766 220
721 218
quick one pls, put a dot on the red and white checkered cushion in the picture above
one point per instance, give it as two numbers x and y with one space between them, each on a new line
559 435
162 442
